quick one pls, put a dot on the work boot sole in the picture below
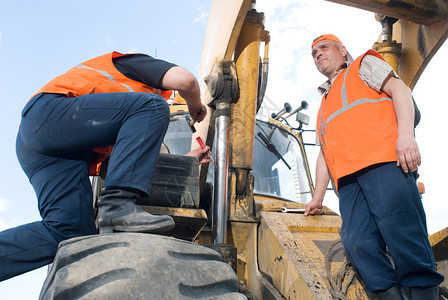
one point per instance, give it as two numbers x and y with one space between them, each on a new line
151 228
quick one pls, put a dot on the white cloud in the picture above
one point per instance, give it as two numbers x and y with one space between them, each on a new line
203 16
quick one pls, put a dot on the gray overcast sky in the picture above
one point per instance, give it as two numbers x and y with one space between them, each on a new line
42 39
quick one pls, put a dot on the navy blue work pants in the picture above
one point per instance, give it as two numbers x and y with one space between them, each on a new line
54 145
380 206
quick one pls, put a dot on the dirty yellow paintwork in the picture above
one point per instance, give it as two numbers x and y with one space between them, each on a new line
390 51
241 206
243 112
412 48
438 237
285 252
292 251
419 44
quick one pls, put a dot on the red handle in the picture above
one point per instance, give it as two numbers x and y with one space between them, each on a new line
201 143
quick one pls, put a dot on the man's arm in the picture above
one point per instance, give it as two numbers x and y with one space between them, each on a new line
181 80
322 179
408 154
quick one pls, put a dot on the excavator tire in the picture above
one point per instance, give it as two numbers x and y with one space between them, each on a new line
138 266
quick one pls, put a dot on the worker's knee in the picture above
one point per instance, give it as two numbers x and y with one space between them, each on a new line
66 228
349 243
357 247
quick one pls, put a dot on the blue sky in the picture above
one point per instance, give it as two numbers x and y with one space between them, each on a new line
42 39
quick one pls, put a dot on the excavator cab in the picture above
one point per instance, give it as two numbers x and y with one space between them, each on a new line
280 164
280 167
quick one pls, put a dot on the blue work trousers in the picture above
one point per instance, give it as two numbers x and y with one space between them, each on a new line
54 147
381 207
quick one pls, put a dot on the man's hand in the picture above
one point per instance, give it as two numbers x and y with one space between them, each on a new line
408 154
197 115
201 154
314 207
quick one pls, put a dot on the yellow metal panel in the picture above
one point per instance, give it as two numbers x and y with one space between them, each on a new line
390 51
291 271
412 48
419 44
419 11
438 237
269 203
243 112
295 257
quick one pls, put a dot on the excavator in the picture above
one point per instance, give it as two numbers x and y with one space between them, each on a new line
240 230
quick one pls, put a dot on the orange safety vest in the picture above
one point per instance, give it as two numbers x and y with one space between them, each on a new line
97 75
356 125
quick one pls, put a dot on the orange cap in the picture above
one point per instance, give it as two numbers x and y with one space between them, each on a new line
323 37
331 37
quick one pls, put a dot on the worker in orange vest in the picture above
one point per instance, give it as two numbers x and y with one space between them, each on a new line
366 133
111 100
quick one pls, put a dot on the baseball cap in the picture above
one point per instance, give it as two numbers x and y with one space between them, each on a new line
331 37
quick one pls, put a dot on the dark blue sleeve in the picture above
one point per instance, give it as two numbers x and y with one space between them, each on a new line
143 68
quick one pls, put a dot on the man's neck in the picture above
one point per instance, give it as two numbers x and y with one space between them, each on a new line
336 73
323 88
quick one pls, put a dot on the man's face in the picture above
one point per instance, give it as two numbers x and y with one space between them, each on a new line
328 57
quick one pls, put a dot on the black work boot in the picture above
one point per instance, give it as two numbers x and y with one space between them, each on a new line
117 211
394 293
431 293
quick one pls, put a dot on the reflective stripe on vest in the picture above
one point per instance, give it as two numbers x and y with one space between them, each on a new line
107 75
345 106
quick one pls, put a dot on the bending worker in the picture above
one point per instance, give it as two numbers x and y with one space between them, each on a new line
365 127
111 100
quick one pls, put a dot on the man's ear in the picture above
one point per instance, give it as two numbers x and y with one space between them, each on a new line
343 51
